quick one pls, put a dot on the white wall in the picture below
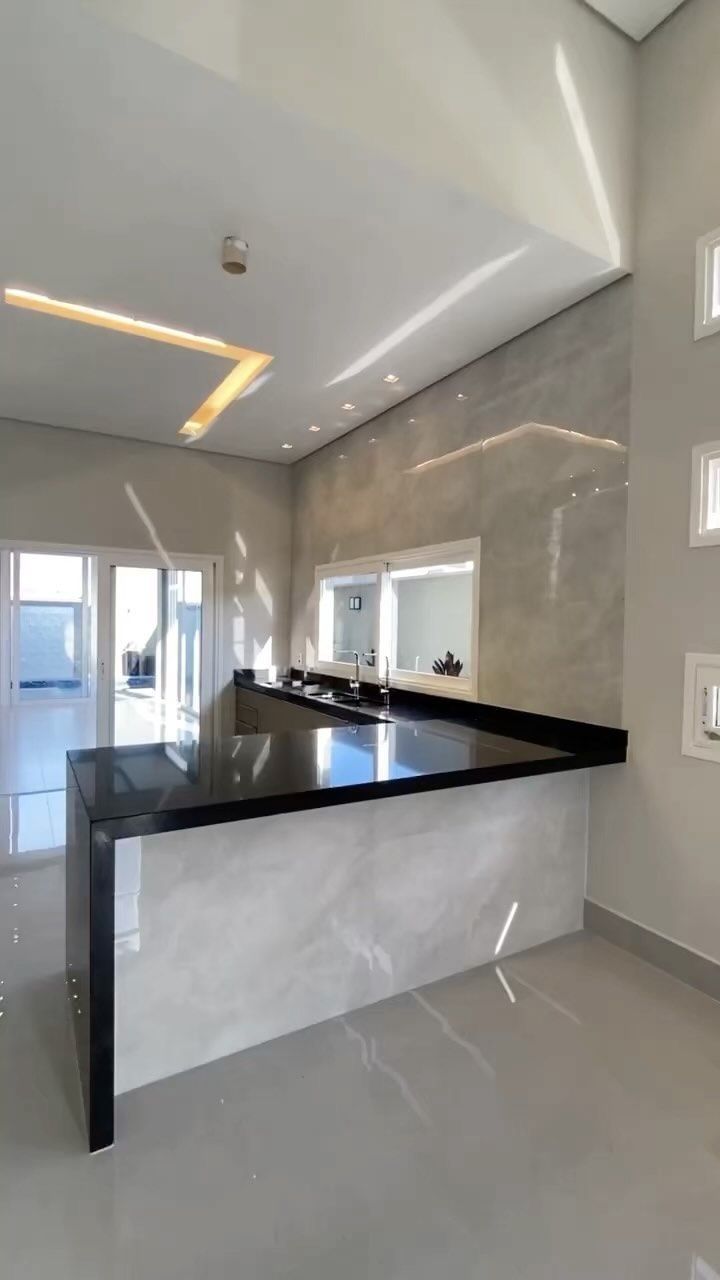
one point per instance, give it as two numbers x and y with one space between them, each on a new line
75 487
654 831
527 103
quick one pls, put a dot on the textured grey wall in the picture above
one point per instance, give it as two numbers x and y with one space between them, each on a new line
550 507
69 486
654 823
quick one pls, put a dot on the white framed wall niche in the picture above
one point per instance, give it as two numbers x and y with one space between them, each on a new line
705 495
701 707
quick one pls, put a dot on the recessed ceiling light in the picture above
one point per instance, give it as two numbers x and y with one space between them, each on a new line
249 363
313 428
342 455
348 406
460 396
391 377
372 440
573 495
286 445
411 419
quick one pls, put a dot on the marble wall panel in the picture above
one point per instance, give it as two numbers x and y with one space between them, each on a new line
533 460
249 930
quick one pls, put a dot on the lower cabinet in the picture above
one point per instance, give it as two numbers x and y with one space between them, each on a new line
260 713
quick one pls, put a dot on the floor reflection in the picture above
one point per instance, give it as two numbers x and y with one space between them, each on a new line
32 825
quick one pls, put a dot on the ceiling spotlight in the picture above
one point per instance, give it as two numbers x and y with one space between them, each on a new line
348 406
286 446
342 455
460 396
372 440
411 419
391 377
234 255
313 428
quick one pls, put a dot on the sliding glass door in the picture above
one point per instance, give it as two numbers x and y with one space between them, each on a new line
101 646
158 669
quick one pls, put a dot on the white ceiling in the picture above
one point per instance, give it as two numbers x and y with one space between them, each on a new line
125 165
637 17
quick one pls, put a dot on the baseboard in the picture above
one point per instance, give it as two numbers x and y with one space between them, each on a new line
689 967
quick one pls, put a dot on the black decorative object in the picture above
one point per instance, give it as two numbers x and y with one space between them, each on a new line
447 666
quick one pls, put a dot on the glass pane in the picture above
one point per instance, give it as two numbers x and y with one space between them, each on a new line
51 627
51 577
189 625
434 619
713 493
50 650
157 655
348 618
711 711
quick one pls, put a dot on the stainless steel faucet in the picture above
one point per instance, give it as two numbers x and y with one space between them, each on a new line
385 688
354 684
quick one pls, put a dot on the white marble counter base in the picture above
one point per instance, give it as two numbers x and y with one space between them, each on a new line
245 931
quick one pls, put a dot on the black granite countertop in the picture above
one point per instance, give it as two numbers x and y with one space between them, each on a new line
142 789
408 707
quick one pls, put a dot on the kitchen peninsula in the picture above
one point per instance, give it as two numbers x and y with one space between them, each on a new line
288 877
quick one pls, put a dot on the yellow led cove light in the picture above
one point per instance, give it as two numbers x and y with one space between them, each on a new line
249 363
245 372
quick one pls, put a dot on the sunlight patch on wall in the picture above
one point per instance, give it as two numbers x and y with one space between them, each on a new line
578 121
429 313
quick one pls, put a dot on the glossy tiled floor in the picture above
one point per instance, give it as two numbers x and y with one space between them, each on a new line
35 736
33 740
559 1120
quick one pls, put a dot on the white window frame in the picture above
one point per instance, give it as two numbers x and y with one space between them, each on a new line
701 670
705 285
702 456
461 687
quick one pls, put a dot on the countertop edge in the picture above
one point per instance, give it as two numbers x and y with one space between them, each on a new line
185 818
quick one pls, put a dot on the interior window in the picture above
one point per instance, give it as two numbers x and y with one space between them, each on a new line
412 615
432 607
348 614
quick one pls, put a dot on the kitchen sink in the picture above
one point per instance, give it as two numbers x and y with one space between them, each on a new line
344 699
